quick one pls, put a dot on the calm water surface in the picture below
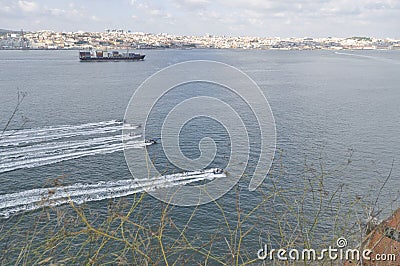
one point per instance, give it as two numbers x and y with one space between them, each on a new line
326 105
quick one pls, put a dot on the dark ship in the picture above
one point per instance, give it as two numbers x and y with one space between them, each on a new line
101 56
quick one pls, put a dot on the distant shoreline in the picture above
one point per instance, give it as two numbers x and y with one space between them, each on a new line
203 48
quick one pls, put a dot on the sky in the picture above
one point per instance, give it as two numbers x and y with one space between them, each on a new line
263 18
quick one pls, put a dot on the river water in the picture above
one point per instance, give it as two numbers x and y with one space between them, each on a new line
329 107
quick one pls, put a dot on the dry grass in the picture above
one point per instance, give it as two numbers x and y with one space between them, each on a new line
139 230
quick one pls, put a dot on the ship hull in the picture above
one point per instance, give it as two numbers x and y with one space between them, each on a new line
107 59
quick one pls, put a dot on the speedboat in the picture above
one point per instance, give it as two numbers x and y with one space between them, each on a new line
151 141
218 171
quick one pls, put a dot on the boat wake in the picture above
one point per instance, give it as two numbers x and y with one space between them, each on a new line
34 199
386 60
44 146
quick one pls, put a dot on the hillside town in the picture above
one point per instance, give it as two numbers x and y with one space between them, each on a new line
121 39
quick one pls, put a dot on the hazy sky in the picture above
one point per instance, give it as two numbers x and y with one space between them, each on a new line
284 18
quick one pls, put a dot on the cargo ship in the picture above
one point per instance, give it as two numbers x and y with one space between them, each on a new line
102 56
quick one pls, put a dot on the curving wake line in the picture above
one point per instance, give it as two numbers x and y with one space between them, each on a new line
31 136
387 60
44 146
41 161
50 147
79 193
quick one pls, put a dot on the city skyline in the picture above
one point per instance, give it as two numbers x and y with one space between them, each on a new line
311 18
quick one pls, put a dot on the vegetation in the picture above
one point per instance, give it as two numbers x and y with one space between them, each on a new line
139 230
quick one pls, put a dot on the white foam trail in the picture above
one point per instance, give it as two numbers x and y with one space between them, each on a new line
51 159
79 193
43 146
49 134
49 148
387 60
60 128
